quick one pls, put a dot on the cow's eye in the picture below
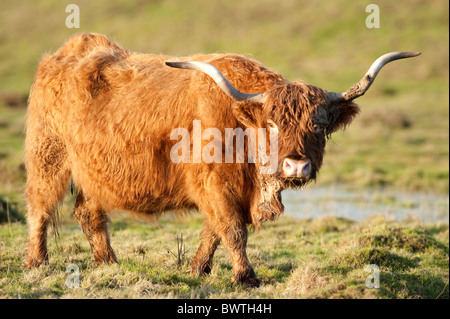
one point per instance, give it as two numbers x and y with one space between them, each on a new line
271 124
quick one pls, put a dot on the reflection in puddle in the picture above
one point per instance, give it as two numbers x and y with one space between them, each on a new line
357 205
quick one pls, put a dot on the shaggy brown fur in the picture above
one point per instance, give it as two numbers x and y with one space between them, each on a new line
103 115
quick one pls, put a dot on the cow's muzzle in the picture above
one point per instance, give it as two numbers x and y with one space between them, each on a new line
296 168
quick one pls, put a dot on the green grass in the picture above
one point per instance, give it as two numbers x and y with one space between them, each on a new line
322 258
400 141
12 173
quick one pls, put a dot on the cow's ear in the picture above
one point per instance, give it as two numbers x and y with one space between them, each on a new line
248 114
340 115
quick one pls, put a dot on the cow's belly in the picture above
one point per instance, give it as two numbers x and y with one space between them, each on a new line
120 178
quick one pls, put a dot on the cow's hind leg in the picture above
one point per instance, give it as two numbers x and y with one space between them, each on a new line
202 263
94 221
47 181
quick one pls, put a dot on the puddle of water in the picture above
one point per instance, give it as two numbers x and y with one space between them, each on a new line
357 205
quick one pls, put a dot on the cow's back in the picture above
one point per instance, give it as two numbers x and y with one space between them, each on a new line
114 110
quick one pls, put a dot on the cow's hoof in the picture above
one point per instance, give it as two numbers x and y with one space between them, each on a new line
107 258
201 270
249 280
35 262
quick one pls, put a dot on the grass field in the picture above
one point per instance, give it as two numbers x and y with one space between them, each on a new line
321 258
400 141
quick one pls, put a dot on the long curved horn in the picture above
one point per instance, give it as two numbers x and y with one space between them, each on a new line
363 85
221 81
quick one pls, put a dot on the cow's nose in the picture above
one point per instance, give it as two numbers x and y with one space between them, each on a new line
296 168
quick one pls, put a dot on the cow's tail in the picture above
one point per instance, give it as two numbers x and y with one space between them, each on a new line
45 156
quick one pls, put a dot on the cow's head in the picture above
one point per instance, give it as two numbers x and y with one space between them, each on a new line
304 116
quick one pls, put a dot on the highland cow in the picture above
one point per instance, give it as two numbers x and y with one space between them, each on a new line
102 116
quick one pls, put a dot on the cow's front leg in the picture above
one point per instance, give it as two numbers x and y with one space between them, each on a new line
229 225
235 239
202 263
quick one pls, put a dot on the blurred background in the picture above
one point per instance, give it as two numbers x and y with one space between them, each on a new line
395 153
